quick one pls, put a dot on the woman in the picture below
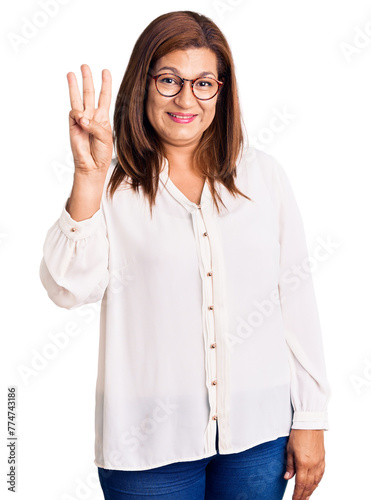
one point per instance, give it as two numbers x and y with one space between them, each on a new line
211 377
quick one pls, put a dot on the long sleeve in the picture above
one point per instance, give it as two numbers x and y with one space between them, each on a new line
74 267
310 390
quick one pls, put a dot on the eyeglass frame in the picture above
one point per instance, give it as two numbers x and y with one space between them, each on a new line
155 77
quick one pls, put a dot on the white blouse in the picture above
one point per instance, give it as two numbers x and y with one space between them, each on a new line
204 317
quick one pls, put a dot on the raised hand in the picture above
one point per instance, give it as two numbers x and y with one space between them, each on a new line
91 141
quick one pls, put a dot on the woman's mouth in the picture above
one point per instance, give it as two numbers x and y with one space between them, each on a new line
181 117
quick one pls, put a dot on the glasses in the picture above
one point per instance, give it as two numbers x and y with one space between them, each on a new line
203 88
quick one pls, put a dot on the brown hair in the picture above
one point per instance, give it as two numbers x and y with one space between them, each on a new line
138 147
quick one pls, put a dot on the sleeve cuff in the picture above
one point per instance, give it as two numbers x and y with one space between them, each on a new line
310 420
76 230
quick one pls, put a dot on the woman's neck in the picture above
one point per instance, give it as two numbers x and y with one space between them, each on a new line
180 158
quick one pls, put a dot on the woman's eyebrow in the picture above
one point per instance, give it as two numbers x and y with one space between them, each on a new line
175 71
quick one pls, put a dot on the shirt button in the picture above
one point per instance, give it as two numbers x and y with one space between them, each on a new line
198 206
212 346
205 234
73 229
213 382
215 417
210 273
211 307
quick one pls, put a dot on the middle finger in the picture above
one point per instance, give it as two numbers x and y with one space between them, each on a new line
310 486
300 483
88 88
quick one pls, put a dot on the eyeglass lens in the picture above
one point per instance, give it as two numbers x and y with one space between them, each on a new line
169 85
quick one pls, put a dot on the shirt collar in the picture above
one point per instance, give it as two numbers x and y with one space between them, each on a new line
189 205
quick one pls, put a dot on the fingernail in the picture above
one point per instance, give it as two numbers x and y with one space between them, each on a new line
84 121
287 474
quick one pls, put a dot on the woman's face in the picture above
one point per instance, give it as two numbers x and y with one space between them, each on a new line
190 64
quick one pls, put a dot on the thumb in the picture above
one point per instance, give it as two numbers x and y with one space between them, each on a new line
91 126
85 121
290 466
95 129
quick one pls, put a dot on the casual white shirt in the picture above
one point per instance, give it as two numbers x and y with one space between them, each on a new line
203 317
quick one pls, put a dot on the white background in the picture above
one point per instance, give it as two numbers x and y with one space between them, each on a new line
308 61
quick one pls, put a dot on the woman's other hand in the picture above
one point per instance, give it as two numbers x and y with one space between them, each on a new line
306 459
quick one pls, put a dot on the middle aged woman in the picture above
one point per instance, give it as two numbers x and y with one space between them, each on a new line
211 378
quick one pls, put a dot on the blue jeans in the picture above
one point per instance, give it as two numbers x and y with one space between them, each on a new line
254 474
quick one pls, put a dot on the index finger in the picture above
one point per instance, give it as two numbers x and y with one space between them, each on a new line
75 97
104 100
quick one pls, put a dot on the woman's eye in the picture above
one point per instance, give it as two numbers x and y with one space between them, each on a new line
167 80
204 83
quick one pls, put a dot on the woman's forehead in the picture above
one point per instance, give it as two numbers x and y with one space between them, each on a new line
192 59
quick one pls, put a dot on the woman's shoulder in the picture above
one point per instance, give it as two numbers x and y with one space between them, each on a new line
259 169
258 164
257 159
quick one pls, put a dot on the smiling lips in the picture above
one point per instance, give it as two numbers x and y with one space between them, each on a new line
182 117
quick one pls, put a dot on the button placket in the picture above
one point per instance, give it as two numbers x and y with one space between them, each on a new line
218 326
208 279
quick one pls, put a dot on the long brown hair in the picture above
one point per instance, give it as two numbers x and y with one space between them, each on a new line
138 148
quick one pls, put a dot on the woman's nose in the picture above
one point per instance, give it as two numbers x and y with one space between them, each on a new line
185 98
